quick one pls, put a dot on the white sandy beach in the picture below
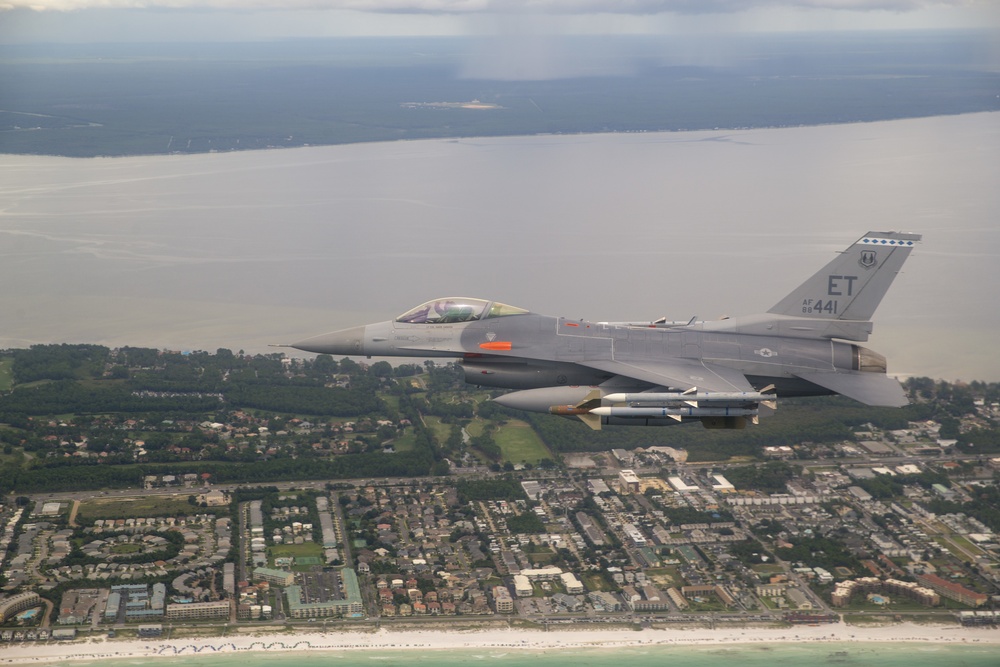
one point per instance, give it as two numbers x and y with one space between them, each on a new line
489 639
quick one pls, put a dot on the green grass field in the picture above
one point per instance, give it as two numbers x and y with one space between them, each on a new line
126 549
440 429
306 555
520 444
405 442
596 582
6 373
130 508
475 427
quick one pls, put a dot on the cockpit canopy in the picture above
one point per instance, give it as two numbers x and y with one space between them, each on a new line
457 309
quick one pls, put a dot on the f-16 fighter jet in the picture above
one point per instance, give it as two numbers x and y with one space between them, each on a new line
724 373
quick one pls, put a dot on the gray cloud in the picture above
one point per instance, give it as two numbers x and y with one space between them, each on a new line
467 7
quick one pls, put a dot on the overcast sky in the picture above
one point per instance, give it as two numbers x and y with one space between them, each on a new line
249 20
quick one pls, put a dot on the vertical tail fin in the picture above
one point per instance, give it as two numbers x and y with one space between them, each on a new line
852 285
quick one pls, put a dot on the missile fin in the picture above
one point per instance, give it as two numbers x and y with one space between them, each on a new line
692 390
593 421
773 404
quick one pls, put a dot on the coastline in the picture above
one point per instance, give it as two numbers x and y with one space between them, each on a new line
508 639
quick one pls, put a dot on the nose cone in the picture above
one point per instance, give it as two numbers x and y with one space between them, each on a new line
343 342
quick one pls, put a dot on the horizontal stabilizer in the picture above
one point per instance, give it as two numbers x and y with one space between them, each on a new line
869 388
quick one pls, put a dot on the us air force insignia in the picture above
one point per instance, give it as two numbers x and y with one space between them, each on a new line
766 353
869 258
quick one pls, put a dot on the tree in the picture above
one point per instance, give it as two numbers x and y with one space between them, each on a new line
325 364
349 366
381 369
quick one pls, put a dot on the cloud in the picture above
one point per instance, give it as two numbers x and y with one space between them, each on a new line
468 7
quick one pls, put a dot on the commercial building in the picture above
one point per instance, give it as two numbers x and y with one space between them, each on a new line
605 602
137 602
533 489
253 612
680 485
779 452
522 586
597 486
876 448
198 610
914 591
628 481
112 606
77 605
502 601
652 600
326 523
717 591
572 585
273 577
846 590
771 590
952 591
18 603
301 605
634 535
590 529
151 630
678 599
547 573
722 484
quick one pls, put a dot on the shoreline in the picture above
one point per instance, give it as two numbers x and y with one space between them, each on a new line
507 639
516 135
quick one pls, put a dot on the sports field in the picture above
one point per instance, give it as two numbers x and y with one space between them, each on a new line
520 444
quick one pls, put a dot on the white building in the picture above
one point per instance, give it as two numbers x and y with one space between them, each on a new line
722 484
680 485
522 586
572 585
628 481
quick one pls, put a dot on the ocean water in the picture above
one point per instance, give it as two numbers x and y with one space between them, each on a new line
766 655
238 250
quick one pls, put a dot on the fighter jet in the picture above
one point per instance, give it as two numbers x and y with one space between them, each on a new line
724 373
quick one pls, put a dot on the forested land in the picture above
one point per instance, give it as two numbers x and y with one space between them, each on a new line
88 417
121 99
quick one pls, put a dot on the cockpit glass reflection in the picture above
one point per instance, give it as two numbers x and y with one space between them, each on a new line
445 311
457 309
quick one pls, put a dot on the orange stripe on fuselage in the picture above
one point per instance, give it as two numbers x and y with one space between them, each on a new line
496 345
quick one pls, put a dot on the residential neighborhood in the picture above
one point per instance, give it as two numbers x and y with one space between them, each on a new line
894 519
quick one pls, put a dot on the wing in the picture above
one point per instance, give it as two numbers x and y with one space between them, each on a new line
868 388
680 374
